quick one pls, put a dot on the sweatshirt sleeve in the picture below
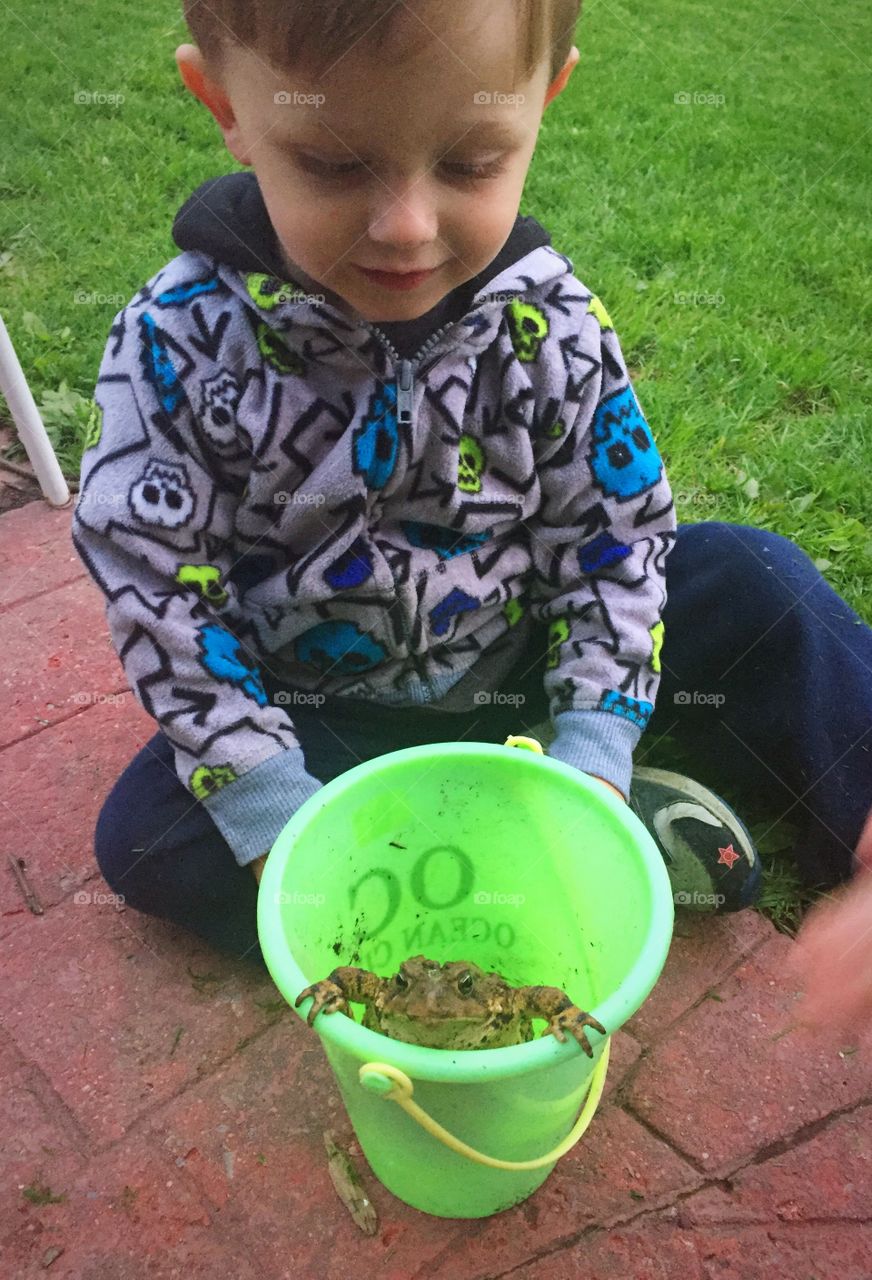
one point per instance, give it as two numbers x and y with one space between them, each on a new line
599 544
153 524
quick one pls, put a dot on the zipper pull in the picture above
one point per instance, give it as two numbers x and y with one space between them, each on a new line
405 390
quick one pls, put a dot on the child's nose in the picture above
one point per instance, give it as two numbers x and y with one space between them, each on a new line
405 217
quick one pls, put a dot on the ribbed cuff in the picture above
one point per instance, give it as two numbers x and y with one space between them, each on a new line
597 742
251 811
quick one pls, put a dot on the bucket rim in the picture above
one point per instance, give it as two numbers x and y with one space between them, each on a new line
468 1065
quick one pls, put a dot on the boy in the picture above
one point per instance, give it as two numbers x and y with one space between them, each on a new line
385 479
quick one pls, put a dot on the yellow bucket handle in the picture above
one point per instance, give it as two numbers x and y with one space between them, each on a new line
518 740
402 1090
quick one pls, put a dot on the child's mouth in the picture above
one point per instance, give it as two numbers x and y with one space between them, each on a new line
398 280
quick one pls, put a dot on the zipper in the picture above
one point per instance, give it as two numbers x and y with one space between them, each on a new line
404 370
405 392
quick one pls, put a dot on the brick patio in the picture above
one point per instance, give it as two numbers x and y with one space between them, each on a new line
165 1110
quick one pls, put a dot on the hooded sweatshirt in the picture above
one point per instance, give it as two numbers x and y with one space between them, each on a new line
381 512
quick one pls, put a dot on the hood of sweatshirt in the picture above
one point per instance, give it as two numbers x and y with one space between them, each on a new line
226 218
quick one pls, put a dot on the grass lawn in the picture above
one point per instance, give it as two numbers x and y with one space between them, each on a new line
707 171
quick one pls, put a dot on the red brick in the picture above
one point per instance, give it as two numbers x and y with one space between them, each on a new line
269 1105
10 1056
617 1167
132 1214
100 1011
57 658
250 1138
726 1082
704 949
61 778
38 1149
827 1177
653 1249
623 1056
820 1252
36 552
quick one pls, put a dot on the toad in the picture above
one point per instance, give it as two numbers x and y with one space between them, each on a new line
449 1006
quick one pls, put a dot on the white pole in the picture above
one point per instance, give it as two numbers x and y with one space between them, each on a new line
29 424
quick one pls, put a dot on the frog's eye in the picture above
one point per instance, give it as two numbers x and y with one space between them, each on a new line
464 983
401 981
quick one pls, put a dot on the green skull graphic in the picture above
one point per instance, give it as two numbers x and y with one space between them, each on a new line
470 465
270 292
94 427
558 633
528 327
205 579
207 779
275 353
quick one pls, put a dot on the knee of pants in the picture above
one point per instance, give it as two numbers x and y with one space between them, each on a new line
763 573
120 854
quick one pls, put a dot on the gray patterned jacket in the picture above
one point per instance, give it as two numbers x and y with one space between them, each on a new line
268 485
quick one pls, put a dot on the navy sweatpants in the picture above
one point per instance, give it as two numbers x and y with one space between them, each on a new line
766 679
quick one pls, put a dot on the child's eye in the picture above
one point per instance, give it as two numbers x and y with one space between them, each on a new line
489 170
324 169
458 169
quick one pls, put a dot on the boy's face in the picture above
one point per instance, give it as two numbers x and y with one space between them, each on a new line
406 133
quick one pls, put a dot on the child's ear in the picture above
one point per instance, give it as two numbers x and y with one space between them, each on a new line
193 70
558 84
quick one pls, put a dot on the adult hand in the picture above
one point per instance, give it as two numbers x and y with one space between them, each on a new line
832 957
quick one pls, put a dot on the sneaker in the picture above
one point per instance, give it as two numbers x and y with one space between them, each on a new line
709 854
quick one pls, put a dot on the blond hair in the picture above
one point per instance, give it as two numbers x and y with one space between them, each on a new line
311 35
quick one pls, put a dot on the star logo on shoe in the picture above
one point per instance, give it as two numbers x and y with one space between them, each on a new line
728 856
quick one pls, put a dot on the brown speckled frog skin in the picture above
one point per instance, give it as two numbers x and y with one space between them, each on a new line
449 1006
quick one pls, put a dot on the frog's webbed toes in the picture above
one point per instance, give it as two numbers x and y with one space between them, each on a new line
574 1020
327 997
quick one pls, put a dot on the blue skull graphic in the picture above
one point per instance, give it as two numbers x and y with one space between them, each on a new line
338 646
451 606
351 568
623 457
445 542
225 659
376 442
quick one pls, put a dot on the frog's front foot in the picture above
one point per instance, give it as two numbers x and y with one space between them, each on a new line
327 996
574 1020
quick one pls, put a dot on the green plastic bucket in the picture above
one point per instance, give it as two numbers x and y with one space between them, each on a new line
480 852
